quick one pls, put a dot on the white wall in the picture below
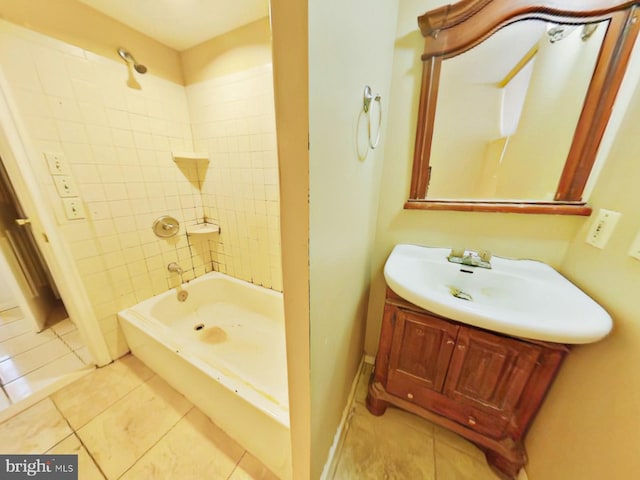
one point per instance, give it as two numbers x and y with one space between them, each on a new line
350 46
6 296
588 426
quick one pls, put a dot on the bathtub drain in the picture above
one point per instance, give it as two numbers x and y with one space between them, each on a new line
198 327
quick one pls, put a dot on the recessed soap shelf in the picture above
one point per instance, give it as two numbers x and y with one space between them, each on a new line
190 156
201 229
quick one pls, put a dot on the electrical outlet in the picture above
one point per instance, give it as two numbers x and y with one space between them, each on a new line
57 163
634 250
65 186
602 227
73 208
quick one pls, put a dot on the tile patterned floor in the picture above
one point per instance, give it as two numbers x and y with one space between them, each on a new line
401 446
125 422
30 361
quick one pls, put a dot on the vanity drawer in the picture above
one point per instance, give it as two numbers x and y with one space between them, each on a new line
467 415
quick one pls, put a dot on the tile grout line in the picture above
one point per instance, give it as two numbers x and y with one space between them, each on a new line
71 350
235 467
75 434
157 441
100 413
11 402
114 402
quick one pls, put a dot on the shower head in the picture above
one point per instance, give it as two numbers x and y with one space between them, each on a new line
127 57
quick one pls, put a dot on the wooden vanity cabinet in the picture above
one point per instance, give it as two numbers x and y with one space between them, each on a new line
482 385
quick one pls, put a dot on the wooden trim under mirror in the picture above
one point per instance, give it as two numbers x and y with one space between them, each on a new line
454 29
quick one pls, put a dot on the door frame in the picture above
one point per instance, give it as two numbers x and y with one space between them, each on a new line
15 152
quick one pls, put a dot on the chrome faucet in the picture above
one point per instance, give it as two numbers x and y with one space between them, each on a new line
480 259
174 267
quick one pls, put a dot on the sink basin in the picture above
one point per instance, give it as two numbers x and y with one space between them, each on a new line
523 298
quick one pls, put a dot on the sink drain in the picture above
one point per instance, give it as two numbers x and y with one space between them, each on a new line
198 327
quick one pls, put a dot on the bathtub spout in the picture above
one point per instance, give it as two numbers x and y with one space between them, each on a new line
174 267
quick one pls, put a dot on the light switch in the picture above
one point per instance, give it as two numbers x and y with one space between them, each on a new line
65 186
56 163
634 251
602 227
73 208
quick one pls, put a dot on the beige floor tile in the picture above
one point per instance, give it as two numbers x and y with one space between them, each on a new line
72 340
452 464
10 315
87 469
84 355
454 440
383 447
31 360
83 400
119 436
4 400
64 326
14 329
38 379
34 430
406 419
250 468
194 449
24 342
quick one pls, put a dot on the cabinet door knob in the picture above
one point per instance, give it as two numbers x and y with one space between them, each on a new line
410 396
460 347
471 420
450 342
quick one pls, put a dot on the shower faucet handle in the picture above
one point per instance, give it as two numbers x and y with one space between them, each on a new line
175 268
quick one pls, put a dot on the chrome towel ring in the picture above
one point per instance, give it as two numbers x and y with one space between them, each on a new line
366 105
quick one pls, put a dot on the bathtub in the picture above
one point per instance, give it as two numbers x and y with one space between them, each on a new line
224 349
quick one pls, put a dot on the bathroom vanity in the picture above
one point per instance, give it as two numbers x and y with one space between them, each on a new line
479 384
473 343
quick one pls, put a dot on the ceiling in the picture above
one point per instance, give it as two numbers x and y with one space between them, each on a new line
181 24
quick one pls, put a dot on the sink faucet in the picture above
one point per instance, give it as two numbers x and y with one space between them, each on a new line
469 257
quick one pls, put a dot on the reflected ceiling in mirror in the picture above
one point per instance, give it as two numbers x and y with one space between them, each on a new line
507 111
514 102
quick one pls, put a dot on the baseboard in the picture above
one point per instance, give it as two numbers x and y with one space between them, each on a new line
522 475
329 470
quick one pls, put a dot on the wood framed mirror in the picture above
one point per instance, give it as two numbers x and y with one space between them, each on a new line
606 29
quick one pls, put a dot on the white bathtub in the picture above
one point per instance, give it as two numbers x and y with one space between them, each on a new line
224 349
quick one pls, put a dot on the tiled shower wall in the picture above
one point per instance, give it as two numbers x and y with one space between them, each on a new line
234 121
118 142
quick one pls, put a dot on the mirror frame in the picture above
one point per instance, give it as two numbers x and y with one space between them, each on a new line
454 29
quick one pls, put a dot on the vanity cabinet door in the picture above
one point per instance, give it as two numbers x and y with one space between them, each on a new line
488 373
420 352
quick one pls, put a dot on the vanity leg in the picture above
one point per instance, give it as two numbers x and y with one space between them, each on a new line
505 468
375 405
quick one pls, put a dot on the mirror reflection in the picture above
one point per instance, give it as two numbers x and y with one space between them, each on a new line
507 111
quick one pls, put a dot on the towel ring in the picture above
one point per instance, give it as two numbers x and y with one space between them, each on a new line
366 105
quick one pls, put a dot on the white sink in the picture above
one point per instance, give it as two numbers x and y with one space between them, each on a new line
524 298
